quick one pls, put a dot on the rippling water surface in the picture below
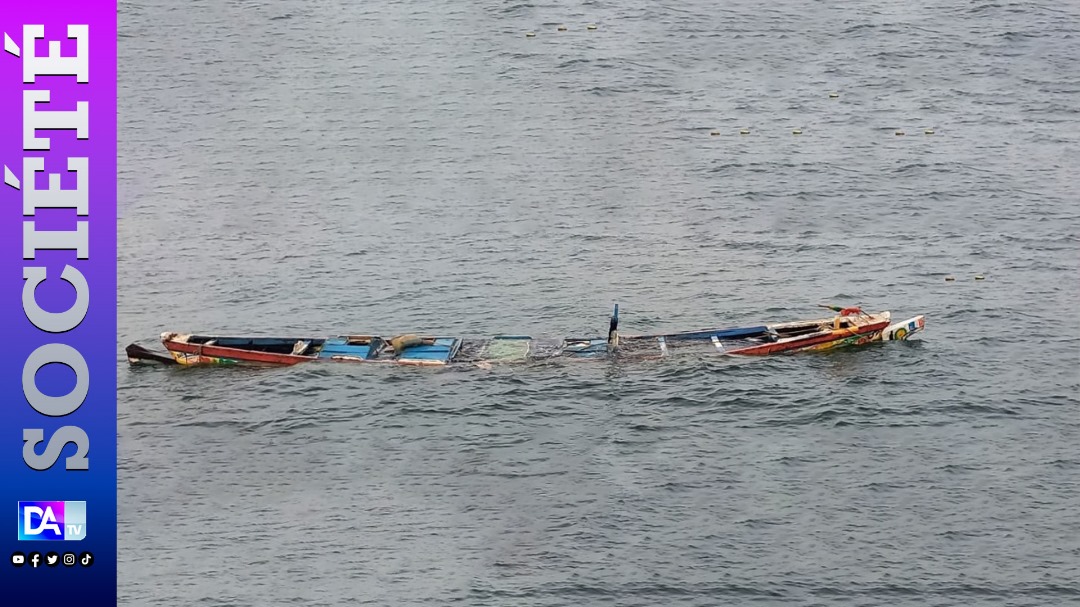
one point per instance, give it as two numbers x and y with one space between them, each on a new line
324 166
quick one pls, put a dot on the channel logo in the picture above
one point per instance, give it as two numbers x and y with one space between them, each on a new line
52 521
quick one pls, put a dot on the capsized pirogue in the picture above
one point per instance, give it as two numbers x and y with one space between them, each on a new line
847 327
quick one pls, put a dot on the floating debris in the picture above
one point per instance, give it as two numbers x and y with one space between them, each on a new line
796 132
561 28
744 131
980 277
833 95
591 26
530 34
928 132
950 278
899 133
714 132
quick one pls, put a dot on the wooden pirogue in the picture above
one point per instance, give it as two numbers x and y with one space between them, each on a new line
848 327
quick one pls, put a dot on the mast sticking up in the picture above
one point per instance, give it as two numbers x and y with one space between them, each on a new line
613 330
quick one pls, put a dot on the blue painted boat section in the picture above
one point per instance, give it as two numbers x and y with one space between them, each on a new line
740 333
441 350
340 346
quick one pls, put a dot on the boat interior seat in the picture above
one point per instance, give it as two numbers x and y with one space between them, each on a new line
438 349
364 347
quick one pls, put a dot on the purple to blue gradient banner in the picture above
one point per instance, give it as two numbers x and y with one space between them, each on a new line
58 302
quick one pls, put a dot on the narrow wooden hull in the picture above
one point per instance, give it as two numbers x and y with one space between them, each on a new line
843 330
819 341
188 351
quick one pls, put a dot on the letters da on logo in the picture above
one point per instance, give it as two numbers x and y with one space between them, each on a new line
38 520
36 119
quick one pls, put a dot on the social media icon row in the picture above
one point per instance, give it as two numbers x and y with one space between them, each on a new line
51 559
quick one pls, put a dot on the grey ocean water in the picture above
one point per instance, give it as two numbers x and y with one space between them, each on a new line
314 167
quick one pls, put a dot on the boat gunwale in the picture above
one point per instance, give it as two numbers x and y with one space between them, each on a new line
811 339
831 329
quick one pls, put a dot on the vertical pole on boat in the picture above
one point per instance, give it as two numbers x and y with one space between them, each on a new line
613 330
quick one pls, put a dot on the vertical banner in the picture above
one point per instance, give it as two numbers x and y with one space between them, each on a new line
58 302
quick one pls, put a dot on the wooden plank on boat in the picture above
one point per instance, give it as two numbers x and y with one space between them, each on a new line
704 334
438 352
350 348
716 342
663 345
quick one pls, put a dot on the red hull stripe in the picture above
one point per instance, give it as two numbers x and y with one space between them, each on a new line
236 353
810 341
